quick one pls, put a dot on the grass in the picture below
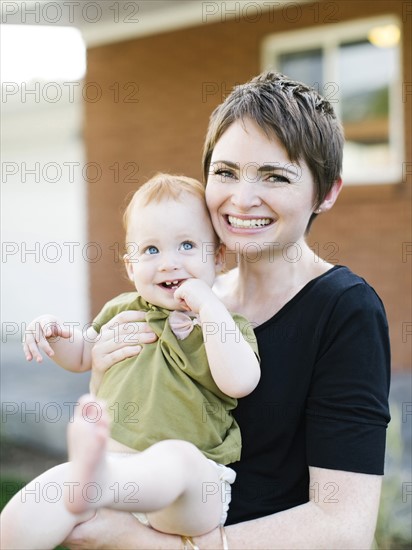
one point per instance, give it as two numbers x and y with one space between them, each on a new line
8 488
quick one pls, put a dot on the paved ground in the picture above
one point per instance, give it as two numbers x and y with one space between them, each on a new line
37 399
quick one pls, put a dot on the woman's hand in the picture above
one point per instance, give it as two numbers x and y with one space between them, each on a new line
120 338
104 530
111 529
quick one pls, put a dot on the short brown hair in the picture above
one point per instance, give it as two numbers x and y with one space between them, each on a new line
303 121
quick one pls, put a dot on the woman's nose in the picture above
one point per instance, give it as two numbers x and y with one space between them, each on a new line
244 195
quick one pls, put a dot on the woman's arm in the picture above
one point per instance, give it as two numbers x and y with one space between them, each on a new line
111 529
232 361
341 513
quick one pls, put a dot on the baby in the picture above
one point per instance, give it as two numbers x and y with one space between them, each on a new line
158 438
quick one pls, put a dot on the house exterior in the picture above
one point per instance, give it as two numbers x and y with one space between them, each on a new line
148 109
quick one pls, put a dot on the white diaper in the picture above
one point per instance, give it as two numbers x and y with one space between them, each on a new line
226 477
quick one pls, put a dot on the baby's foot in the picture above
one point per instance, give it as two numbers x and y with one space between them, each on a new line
87 437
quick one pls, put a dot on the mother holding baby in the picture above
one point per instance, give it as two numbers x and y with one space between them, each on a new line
313 431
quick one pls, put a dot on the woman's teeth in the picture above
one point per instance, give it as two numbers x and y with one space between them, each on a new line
257 222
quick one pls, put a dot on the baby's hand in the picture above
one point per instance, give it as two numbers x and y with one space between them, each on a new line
193 294
37 334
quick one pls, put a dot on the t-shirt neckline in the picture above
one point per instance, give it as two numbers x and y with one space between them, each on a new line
298 296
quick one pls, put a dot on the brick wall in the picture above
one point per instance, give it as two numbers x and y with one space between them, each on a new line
177 79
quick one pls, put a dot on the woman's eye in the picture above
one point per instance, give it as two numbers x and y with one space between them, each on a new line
187 245
151 250
224 174
277 178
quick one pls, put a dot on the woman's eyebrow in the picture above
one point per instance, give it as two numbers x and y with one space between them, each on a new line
288 167
228 163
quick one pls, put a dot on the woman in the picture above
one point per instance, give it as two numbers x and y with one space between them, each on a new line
313 431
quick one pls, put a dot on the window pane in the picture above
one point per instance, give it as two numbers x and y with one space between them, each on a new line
304 66
366 73
356 67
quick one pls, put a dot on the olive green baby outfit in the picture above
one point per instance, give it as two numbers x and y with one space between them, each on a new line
167 391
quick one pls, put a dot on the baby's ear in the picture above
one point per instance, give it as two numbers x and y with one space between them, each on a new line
220 258
128 263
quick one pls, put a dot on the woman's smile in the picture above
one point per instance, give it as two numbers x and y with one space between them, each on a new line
247 223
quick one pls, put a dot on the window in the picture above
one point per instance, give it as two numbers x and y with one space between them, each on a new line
356 66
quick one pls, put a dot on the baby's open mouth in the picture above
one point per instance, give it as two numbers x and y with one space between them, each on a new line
172 285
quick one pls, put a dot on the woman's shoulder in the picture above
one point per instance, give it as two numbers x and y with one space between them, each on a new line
343 289
341 279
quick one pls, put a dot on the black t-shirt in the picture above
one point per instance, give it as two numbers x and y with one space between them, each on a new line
322 399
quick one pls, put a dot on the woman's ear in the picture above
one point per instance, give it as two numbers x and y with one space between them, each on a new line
331 197
129 266
220 257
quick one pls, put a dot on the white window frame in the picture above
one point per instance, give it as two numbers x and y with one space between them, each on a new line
328 38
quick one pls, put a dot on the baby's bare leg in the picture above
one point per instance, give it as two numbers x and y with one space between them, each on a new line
170 481
198 508
36 517
87 437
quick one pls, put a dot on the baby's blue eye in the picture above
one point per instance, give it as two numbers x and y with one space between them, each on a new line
151 250
187 245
